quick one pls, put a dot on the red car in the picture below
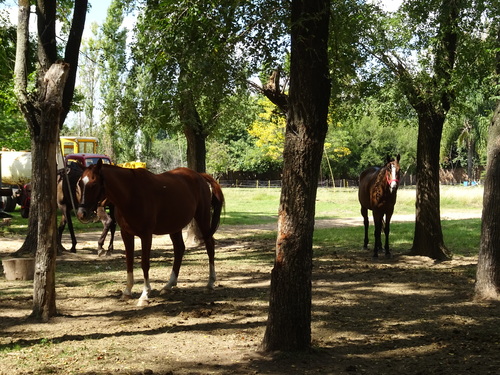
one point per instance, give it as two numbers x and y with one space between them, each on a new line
86 160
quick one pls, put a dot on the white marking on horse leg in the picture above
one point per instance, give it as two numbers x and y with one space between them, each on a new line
211 277
171 282
127 293
144 298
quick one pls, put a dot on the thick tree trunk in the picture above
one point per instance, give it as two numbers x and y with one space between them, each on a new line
193 127
289 321
196 154
196 136
44 110
196 147
428 240
488 265
44 191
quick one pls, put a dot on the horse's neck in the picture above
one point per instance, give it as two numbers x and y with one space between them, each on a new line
118 184
381 180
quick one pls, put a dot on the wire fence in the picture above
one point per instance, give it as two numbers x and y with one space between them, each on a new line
406 180
277 183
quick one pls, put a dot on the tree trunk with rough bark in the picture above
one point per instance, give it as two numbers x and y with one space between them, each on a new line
44 191
428 239
45 110
289 321
432 99
488 264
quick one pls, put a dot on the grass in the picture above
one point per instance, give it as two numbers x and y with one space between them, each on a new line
462 237
251 206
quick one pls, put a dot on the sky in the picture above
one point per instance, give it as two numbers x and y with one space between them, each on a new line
99 9
96 14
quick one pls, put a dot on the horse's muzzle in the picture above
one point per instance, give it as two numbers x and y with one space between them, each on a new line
86 216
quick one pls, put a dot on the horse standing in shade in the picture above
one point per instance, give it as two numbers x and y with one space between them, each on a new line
377 192
67 200
147 204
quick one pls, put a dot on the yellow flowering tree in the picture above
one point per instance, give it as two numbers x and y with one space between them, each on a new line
269 130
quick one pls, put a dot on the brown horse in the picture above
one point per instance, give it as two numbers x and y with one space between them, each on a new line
377 192
147 204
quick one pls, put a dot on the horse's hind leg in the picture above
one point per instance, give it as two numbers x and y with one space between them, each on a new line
364 213
203 221
179 249
128 241
146 242
210 245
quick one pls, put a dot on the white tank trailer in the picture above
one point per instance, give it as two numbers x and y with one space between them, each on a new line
15 173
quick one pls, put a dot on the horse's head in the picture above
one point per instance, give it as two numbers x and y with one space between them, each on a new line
392 172
90 192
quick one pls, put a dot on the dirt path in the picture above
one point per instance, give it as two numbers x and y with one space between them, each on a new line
406 315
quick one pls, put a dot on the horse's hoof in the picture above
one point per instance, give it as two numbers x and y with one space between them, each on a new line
125 297
168 290
143 302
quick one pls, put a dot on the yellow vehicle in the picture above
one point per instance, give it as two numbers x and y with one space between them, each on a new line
77 145
82 150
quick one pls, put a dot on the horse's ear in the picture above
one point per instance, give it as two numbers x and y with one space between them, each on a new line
398 157
98 166
387 159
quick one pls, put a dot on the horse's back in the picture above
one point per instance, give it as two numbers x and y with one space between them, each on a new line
170 200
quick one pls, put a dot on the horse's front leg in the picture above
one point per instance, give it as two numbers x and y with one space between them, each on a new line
179 249
112 228
71 231
387 230
364 213
108 224
146 242
377 219
60 230
128 241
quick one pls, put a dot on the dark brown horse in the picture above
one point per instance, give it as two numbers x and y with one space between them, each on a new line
377 192
67 179
147 204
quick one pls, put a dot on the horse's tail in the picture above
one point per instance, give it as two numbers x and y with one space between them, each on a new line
217 202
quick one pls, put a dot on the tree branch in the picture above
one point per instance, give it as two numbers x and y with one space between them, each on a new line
20 69
72 54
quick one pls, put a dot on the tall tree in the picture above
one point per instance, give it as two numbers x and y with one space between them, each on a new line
113 67
202 52
45 109
289 320
13 131
430 77
488 264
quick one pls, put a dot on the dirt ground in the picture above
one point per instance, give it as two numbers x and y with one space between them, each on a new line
405 315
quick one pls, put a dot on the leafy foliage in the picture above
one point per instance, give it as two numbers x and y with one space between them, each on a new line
14 132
